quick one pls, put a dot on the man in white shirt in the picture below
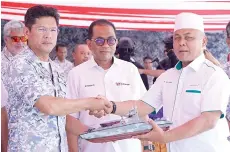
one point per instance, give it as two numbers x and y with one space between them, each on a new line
81 53
194 95
61 60
102 75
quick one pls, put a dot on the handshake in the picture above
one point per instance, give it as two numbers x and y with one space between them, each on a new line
99 106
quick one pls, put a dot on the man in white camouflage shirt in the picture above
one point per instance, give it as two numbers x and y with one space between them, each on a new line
36 89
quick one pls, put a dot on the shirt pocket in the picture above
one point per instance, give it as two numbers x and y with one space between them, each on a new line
192 101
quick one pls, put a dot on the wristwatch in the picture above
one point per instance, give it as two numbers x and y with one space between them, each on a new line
149 147
114 107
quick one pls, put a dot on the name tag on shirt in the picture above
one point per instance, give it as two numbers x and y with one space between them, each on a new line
89 85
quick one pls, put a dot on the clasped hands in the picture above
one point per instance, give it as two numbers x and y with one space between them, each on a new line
99 106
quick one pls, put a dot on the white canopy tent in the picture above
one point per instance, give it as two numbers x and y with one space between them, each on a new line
155 15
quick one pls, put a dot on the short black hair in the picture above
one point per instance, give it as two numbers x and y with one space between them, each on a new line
60 45
39 11
99 22
228 29
147 58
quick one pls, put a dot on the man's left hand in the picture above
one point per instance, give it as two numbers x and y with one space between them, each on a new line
156 135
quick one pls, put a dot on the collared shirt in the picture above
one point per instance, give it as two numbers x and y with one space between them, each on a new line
4 95
187 92
6 58
29 129
120 82
66 66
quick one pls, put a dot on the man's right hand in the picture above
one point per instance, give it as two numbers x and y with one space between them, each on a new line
101 112
98 104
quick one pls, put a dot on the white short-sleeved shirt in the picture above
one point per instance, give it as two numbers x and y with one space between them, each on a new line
4 95
119 83
187 92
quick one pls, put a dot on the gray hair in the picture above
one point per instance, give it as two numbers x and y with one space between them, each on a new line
13 24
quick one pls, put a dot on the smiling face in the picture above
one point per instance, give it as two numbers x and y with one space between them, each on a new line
104 52
42 36
188 44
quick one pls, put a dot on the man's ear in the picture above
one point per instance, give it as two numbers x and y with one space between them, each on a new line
26 31
88 42
204 42
5 39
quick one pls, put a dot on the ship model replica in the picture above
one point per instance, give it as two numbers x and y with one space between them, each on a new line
121 129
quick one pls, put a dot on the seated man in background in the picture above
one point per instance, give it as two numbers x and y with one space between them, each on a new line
81 53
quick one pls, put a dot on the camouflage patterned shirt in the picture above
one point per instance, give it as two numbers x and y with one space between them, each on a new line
5 57
29 129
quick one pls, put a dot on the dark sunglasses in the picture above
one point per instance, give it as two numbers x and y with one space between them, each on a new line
101 41
19 38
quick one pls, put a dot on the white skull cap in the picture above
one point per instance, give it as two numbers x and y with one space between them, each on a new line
188 20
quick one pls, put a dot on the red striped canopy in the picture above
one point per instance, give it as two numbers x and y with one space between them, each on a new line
155 15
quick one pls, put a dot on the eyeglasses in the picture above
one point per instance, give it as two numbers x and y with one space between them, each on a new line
101 41
19 38
42 29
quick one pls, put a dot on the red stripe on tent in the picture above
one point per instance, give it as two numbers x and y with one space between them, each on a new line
142 29
85 10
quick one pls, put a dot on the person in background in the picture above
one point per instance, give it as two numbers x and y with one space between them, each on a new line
15 41
4 119
169 62
148 64
61 51
81 53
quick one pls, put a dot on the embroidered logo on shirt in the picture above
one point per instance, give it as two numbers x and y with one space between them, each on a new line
89 85
194 85
167 81
121 84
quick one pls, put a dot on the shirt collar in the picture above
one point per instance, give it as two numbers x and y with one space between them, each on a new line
34 57
195 65
57 60
93 63
7 54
